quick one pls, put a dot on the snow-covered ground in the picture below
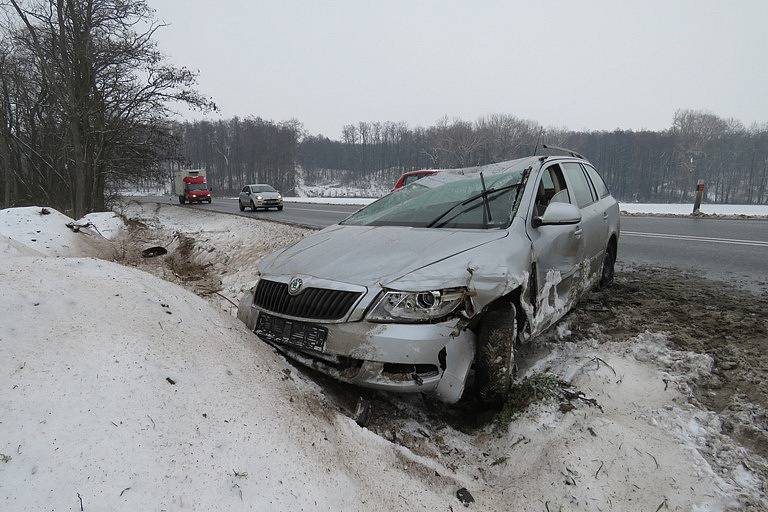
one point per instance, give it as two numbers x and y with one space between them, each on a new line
34 230
336 188
751 210
132 393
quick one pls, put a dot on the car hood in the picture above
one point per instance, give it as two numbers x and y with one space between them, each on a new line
368 255
267 195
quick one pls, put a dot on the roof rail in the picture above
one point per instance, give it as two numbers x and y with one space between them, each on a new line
564 150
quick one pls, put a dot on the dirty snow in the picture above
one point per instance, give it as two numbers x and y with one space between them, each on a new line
225 246
752 210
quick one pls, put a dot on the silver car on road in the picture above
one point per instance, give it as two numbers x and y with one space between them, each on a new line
259 195
441 280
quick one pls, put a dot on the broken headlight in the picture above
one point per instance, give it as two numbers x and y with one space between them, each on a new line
393 306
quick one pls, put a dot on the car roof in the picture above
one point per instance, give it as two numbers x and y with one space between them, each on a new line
259 185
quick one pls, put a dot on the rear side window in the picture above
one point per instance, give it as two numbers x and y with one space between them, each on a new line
580 189
597 181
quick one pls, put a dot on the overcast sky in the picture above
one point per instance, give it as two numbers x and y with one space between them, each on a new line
579 64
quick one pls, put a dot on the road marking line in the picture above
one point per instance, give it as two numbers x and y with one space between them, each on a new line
316 210
692 238
288 203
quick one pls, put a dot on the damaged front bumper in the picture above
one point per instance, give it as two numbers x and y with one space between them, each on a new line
403 358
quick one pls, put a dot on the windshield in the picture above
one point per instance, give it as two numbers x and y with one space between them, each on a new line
447 200
196 186
262 188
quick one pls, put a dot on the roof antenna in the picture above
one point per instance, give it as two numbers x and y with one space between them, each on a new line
538 139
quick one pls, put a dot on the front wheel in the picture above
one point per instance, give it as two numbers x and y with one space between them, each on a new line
609 263
242 208
181 199
253 206
279 208
495 358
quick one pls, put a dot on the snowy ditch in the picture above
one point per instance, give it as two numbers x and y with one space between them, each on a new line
620 426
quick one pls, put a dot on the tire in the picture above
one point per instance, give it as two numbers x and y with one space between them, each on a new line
181 199
279 208
253 206
495 358
609 263
242 208
210 201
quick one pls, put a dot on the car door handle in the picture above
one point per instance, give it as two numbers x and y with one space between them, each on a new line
605 215
578 233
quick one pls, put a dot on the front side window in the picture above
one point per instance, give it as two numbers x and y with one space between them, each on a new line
447 200
579 185
552 189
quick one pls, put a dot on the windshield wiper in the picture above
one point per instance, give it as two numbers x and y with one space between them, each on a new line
486 204
485 193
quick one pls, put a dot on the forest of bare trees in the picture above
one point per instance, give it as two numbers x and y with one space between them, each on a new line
650 166
87 101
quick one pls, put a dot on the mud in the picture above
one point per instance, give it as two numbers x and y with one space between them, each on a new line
179 265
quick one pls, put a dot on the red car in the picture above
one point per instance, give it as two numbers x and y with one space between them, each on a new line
409 177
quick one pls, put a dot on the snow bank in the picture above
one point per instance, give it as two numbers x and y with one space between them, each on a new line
107 224
752 210
32 233
228 246
137 395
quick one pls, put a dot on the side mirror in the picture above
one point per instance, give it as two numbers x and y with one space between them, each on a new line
558 214
247 192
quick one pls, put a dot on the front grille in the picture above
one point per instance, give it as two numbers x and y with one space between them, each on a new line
314 303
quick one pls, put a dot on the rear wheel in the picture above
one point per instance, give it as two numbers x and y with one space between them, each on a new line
495 357
609 262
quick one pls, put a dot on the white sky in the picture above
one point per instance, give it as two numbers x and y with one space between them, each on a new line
581 64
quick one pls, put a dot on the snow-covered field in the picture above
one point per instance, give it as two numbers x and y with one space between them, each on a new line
132 393
751 210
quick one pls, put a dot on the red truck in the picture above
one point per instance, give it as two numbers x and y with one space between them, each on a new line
191 186
409 177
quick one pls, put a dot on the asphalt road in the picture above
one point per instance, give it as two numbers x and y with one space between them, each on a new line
734 251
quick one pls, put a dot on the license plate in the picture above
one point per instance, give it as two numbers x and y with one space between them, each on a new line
290 332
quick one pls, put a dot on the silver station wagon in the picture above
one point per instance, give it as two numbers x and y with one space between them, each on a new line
434 286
